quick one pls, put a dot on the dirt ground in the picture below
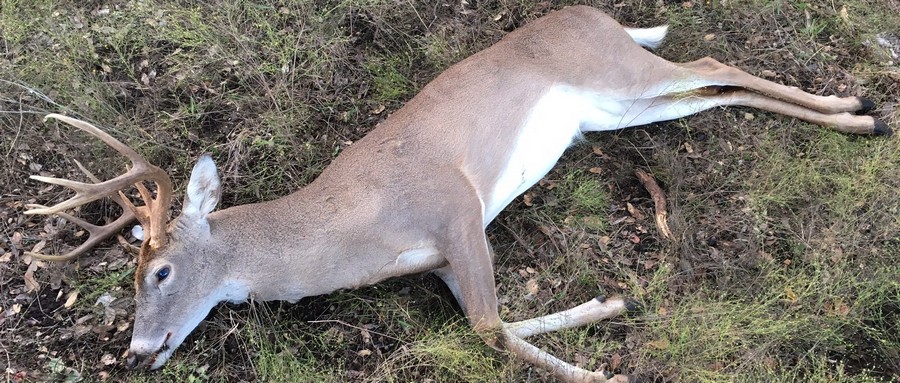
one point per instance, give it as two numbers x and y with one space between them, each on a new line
783 265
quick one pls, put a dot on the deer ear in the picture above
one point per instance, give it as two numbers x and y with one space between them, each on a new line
203 190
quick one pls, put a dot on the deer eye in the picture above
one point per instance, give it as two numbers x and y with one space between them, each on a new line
162 274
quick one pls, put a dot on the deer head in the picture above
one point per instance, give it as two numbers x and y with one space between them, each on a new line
178 279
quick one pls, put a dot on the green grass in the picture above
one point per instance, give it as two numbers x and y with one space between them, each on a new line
388 80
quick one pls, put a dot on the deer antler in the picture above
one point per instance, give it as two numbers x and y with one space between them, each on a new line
153 215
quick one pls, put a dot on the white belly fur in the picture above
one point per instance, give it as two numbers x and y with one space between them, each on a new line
553 124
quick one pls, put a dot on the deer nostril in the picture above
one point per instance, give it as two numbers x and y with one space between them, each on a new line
134 360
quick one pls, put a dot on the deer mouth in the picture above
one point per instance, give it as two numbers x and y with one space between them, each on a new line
147 361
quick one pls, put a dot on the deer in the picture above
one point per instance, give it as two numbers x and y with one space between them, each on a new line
417 192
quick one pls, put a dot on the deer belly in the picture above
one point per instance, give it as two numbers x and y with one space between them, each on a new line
552 125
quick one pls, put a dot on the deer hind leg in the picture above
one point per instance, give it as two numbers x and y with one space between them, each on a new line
469 258
713 72
718 84
668 107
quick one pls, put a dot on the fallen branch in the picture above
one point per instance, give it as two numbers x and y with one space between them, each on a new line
659 198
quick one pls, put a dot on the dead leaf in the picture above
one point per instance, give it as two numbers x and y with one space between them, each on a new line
107 359
364 352
790 296
70 300
596 170
597 150
710 37
845 15
16 239
634 239
105 299
378 109
528 199
532 286
39 246
634 211
615 361
837 308
660 344
30 283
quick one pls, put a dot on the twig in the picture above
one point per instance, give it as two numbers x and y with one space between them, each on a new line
659 198
342 323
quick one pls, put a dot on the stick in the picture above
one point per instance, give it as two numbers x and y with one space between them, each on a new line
659 198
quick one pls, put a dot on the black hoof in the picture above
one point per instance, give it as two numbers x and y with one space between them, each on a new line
882 129
632 306
866 105
600 298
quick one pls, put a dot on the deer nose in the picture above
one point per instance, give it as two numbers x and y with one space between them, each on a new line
136 359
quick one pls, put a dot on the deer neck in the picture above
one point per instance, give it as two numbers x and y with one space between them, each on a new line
275 250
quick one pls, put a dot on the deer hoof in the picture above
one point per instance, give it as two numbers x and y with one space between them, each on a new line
633 306
865 105
882 129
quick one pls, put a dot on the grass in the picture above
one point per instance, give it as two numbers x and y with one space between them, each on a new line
783 269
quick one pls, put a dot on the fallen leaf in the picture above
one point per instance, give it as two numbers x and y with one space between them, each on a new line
660 344
364 352
790 296
634 239
710 37
104 299
596 170
838 308
30 283
845 15
634 211
39 246
16 239
70 300
597 150
532 286
615 361
107 359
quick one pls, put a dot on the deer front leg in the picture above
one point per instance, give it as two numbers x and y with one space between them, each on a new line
586 313
469 257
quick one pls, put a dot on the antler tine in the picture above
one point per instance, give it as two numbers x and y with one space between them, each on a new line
153 215
85 192
96 233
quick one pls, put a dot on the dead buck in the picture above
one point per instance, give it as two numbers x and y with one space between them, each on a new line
416 194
